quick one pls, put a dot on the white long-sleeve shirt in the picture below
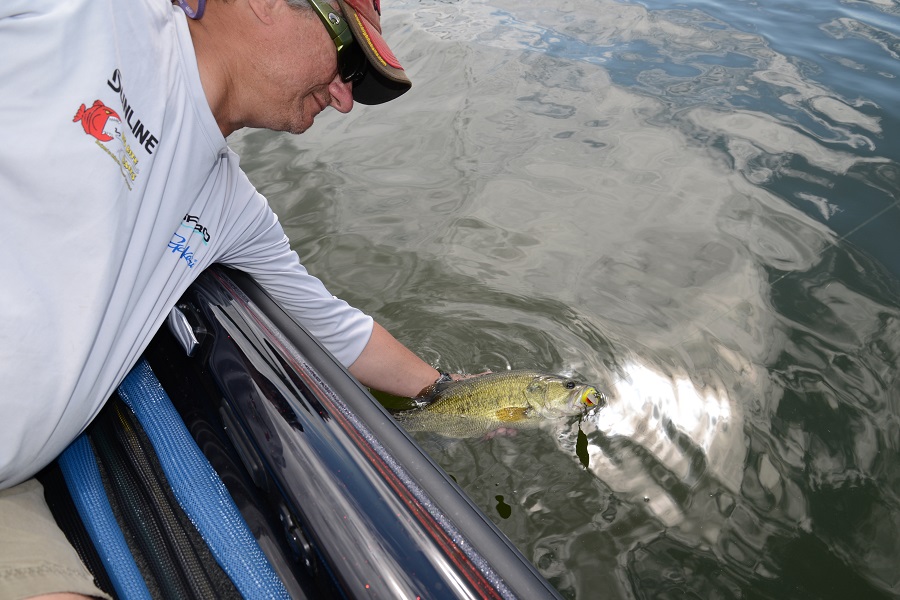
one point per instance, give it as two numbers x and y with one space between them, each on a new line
116 190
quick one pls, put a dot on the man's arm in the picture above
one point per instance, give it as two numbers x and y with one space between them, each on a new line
258 246
387 365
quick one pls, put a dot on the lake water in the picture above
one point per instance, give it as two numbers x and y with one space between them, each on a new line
692 205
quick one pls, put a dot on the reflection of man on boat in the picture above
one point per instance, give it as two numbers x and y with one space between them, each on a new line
119 241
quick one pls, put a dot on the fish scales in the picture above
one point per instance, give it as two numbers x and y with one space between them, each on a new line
484 394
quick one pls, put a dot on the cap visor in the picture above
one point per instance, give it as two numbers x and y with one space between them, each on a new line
375 88
385 78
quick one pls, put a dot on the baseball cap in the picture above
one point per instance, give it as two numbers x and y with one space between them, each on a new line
385 79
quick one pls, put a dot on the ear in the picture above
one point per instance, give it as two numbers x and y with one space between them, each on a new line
265 9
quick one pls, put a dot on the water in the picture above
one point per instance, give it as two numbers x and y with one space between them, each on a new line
692 205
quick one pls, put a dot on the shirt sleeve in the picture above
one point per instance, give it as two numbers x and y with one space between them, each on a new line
261 249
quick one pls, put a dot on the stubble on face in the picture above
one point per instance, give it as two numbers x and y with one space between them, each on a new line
303 66
309 105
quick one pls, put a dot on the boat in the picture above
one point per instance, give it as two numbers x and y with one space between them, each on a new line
250 463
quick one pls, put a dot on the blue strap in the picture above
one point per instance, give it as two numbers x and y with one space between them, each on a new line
79 468
194 14
198 489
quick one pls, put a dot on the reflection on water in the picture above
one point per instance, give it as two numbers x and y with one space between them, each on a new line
687 434
693 206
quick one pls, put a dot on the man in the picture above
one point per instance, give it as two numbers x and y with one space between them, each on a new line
118 189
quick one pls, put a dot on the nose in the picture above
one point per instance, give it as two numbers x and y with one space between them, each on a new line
341 94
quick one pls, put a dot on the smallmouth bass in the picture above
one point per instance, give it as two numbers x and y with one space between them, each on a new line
492 401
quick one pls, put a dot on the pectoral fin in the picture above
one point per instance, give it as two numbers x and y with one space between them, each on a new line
512 414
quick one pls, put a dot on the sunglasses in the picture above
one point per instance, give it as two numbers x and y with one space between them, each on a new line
351 61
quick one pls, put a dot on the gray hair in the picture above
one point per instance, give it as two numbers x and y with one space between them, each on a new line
299 5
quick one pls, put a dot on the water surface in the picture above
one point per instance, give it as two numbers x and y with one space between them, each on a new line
692 205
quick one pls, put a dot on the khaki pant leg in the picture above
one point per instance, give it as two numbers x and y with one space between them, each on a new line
35 556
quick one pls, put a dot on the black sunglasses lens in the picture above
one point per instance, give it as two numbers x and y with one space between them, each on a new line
353 63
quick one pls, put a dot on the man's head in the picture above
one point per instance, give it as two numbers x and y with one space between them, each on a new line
274 64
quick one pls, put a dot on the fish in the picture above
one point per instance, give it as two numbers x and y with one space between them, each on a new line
95 120
479 405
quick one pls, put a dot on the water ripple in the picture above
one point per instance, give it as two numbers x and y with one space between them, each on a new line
695 207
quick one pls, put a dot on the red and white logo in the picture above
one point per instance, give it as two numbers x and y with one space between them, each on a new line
99 121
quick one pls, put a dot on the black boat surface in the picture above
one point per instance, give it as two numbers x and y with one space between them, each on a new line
341 501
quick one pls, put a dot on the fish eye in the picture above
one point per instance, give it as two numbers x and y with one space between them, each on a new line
570 385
